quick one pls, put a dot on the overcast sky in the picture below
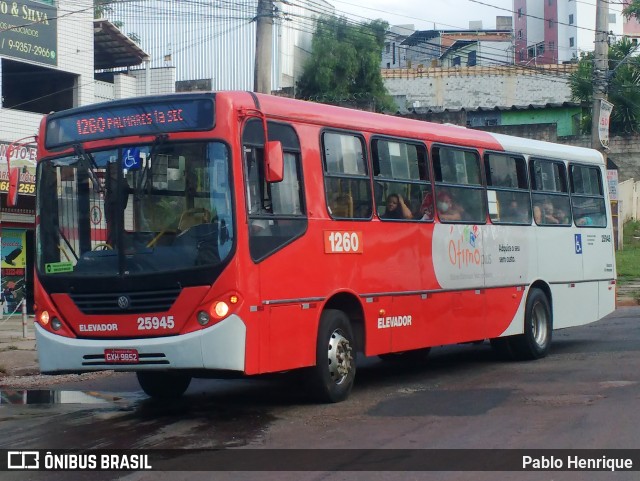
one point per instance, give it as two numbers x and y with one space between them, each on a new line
446 14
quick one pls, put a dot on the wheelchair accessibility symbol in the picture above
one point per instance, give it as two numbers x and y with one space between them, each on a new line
131 159
578 243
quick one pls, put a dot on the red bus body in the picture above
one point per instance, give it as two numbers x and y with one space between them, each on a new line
382 275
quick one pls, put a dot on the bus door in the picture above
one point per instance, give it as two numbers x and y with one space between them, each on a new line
559 245
276 217
593 238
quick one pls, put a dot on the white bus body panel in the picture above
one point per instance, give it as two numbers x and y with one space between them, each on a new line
578 264
221 347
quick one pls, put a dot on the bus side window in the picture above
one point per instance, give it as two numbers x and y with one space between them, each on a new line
402 184
276 211
550 196
346 177
587 196
459 190
508 195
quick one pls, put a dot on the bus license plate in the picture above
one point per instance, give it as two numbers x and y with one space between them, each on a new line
121 356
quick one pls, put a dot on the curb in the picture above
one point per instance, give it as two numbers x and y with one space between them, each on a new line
21 371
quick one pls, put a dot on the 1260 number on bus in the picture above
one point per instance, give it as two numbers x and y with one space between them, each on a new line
342 242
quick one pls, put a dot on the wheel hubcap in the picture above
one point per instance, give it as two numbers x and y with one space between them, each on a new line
539 324
340 357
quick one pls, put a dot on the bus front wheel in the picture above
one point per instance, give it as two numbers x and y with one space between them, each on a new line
335 368
163 385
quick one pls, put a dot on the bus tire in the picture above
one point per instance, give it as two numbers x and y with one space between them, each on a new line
163 385
335 368
413 356
535 341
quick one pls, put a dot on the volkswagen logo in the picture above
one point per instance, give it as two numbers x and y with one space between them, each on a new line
123 302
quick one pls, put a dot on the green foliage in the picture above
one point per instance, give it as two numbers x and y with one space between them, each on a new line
623 89
101 8
345 64
628 259
632 9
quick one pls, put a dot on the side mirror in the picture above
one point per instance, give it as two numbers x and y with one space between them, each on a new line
273 161
14 186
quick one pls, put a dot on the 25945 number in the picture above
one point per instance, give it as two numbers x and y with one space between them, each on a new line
153 322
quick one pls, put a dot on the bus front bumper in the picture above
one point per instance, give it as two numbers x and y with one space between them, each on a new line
220 347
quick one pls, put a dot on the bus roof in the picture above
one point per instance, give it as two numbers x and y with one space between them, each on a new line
352 119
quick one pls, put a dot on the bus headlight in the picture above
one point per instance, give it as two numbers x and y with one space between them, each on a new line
44 318
220 309
56 324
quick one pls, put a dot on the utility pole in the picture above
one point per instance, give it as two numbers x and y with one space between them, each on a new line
601 76
600 69
264 41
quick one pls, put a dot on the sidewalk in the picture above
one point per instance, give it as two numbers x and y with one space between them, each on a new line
18 356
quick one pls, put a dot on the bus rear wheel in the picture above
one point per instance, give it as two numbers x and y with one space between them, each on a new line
335 368
163 385
535 341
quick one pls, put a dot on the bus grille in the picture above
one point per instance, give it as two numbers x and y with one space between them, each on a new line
138 302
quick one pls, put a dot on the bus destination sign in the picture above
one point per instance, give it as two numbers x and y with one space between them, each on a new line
148 118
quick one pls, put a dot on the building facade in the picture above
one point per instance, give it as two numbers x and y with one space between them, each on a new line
46 63
545 32
49 53
442 48
556 31
215 41
394 54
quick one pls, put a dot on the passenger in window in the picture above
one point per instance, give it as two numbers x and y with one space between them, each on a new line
561 216
396 208
511 212
447 208
549 214
537 214
426 208
584 221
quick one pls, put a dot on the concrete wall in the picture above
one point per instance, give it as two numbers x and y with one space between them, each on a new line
628 200
482 86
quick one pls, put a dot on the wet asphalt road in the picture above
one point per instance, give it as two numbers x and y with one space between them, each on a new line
583 395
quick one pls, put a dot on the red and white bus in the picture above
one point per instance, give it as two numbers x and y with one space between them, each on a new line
204 234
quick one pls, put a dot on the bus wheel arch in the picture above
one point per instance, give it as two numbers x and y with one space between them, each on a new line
351 306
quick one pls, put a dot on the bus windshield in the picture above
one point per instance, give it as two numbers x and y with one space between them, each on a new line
136 210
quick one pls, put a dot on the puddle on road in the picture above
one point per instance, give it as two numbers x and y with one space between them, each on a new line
51 396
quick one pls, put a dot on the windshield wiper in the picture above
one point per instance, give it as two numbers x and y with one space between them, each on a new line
145 175
66 241
86 160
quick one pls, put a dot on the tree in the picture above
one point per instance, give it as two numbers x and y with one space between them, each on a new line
344 66
623 87
632 9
